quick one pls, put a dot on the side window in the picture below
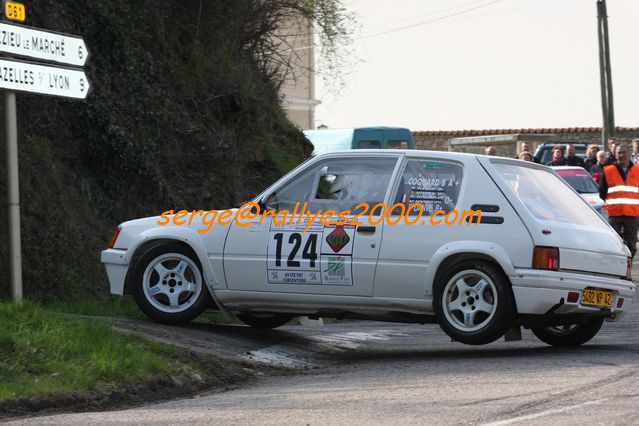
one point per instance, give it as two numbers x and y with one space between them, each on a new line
398 145
369 145
434 184
337 184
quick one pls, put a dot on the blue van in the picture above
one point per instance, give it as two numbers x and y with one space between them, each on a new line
329 140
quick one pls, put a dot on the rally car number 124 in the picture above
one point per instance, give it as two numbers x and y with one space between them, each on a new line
540 257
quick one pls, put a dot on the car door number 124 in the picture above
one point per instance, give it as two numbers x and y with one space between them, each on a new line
309 251
321 256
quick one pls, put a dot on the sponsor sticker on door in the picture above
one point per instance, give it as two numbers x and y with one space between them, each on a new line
319 256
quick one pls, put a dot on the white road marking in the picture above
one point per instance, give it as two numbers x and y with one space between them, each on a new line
544 413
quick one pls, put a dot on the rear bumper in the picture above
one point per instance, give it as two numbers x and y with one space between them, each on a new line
541 292
116 265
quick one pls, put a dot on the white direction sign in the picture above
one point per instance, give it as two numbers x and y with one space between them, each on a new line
45 45
28 77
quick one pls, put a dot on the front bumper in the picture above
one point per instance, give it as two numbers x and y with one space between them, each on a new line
542 292
116 265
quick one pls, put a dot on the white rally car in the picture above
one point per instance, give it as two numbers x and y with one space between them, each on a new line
539 258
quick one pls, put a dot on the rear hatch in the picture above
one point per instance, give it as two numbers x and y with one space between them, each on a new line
556 216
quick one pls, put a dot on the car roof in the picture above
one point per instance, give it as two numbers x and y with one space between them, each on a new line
446 155
568 168
395 152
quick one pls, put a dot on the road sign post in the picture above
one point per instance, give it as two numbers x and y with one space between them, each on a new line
13 197
23 76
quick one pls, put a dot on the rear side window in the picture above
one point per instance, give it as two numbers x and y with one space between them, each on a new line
369 145
434 184
547 197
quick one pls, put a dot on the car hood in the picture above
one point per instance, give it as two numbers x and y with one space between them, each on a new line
131 230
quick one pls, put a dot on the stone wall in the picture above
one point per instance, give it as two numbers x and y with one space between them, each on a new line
439 140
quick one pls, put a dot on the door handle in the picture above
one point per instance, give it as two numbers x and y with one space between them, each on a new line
367 229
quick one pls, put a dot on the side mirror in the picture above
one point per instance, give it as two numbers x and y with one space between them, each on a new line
264 202
271 198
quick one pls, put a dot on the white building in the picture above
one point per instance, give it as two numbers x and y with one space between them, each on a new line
298 89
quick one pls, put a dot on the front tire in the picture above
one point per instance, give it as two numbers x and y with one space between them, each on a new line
265 321
168 285
571 335
473 302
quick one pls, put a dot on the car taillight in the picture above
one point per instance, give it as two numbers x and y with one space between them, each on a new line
629 269
546 258
114 238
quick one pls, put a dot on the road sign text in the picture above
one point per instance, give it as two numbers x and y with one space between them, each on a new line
45 45
47 80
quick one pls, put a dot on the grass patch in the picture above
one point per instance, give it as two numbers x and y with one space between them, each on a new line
124 307
114 306
44 352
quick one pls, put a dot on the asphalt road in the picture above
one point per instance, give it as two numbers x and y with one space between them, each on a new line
381 373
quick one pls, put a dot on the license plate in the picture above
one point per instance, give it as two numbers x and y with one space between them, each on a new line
596 298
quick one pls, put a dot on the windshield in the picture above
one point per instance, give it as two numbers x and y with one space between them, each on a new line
580 180
546 153
547 197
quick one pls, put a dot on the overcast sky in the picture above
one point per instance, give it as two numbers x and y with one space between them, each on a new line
504 64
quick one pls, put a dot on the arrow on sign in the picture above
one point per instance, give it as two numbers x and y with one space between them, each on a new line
46 80
45 45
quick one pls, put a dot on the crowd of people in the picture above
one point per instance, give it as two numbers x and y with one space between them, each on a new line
564 155
615 174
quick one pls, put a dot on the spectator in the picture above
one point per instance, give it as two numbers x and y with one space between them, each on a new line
491 151
526 156
591 156
635 151
557 157
571 158
612 144
620 189
597 170
526 148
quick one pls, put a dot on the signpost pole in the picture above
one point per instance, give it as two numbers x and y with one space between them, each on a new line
13 196
13 191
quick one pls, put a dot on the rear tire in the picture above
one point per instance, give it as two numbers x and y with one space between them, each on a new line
473 302
265 321
573 335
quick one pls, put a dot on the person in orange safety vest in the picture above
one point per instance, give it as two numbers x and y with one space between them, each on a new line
619 188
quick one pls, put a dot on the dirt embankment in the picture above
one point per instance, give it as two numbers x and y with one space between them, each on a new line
181 116
214 374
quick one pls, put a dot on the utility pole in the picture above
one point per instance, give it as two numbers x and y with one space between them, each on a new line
605 75
612 129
